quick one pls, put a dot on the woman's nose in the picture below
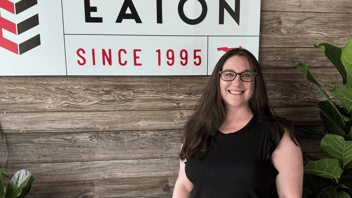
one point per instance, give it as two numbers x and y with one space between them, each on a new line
237 80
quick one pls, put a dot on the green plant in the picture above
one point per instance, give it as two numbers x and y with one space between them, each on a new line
322 177
18 187
20 184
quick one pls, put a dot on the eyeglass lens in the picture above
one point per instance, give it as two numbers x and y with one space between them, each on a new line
246 76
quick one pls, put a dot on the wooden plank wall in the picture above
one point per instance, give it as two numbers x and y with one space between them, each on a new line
119 136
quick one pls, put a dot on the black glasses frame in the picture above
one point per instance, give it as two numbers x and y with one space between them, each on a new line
252 73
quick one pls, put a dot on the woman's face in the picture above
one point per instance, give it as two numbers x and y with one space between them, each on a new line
241 91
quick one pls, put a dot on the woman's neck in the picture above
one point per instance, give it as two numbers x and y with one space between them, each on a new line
239 114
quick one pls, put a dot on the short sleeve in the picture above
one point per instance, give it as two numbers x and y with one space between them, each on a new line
271 146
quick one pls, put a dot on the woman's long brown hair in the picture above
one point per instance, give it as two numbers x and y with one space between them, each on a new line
210 111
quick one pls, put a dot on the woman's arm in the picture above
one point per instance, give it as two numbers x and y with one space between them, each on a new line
182 186
288 160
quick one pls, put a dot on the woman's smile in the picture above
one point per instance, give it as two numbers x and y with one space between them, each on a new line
236 92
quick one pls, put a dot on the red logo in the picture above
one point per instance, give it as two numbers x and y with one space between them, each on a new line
226 49
16 8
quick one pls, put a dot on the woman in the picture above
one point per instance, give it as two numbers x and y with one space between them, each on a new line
233 145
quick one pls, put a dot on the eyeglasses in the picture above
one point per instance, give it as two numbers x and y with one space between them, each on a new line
244 76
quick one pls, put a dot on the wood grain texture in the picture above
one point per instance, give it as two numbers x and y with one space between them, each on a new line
24 94
302 29
120 120
315 6
45 147
29 148
156 187
291 86
93 121
286 87
74 171
310 130
289 57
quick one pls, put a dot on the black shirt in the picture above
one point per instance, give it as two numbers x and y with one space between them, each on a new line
237 165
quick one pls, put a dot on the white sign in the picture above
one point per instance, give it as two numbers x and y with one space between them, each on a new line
123 37
31 38
141 55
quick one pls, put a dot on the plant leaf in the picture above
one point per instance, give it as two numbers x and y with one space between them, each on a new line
2 136
348 187
344 94
348 166
25 191
313 184
332 121
309 185
10 188
336 147
21 176
328 192
334 55
331 192
341 185
20 181
304 69
26 187
326 167
346 59
349 135
2 193
343 194
6 176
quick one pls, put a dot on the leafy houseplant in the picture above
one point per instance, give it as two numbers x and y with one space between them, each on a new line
322 177
18 187
20 184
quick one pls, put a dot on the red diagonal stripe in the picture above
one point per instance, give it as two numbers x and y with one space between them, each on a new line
7 44
7 25
7 5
